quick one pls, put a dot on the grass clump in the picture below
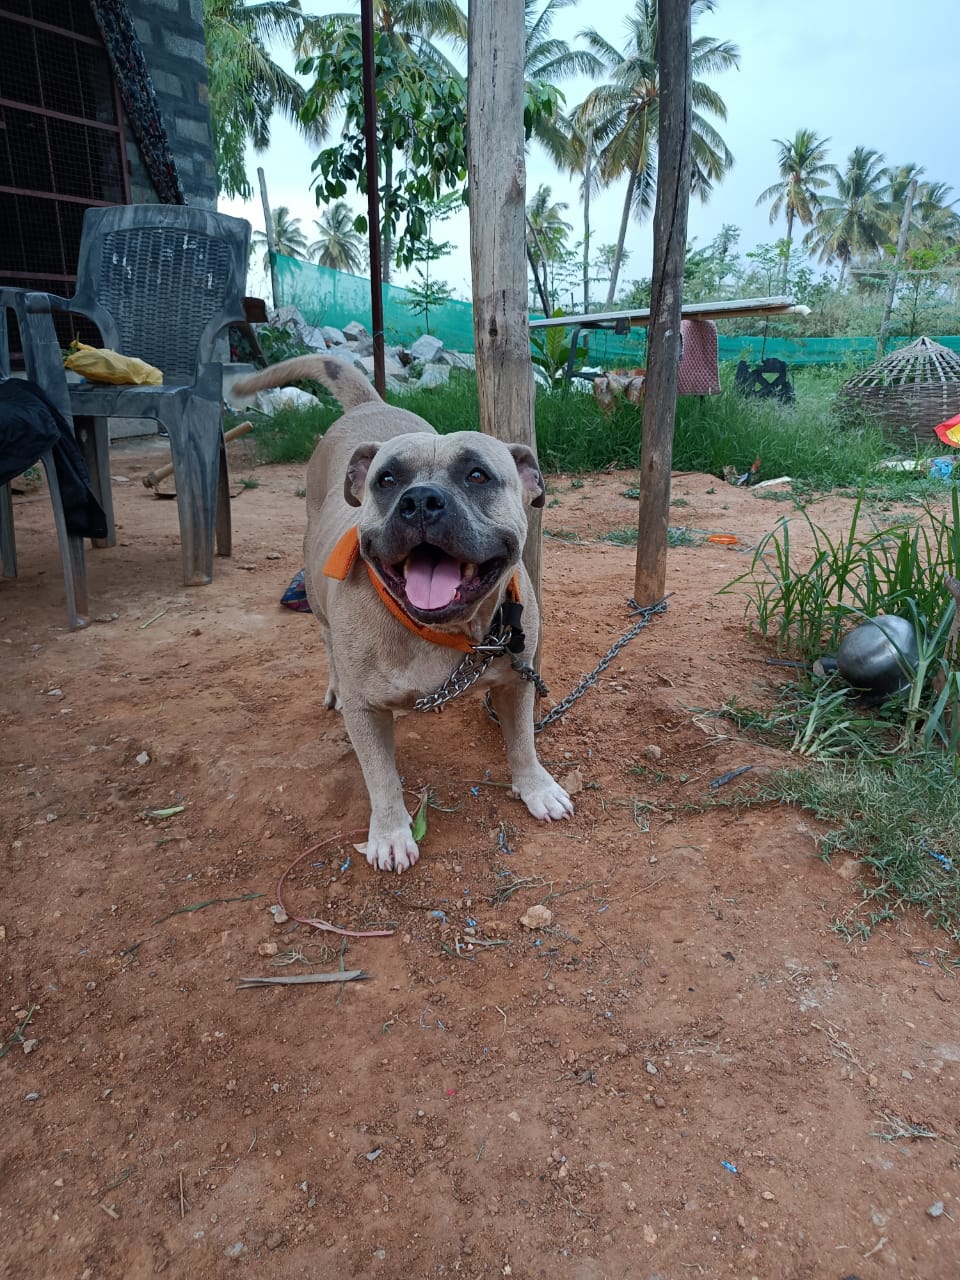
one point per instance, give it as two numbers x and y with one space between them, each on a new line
885 776
803 440
901 820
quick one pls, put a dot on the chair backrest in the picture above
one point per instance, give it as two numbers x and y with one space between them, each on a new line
162 281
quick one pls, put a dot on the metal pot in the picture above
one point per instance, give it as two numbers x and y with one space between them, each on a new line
879 655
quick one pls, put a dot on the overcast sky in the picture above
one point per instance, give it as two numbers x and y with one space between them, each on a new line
859 72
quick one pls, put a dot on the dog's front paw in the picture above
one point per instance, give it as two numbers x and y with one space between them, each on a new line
390 850
332 699
544 798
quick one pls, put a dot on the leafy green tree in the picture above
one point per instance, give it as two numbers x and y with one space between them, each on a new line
624 114
856 220
421 112
705 270
290 240
804 173
427 295
246 85
427 292
339 245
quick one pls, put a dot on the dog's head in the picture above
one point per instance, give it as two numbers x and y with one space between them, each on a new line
443 519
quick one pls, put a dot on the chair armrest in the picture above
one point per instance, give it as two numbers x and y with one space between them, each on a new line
42 355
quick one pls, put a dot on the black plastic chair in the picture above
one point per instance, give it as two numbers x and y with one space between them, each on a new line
161 282
768 380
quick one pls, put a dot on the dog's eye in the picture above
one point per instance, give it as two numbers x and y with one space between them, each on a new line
477 476
387 480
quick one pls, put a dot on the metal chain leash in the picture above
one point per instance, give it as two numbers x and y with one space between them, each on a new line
644 614
468 672
497 645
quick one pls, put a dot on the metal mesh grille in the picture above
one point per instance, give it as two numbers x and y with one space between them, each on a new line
61 142
162 287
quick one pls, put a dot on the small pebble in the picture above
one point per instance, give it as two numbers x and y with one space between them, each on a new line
936 1210
274 1240
234 1250
144 758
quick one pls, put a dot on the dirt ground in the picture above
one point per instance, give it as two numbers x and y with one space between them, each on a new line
689 1073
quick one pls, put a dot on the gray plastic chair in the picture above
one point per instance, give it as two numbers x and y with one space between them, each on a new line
42 354
162 282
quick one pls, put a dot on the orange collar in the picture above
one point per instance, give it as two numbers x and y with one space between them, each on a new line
341 561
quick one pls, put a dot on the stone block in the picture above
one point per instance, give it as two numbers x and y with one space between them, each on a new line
354 332
434 375
426 348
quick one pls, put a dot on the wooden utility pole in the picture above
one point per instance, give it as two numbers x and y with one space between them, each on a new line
498 232
669 249
892 283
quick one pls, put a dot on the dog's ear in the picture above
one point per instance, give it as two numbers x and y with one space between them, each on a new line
356 476
529 472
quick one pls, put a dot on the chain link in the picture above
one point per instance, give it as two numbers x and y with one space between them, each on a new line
476 663
644 614
468 673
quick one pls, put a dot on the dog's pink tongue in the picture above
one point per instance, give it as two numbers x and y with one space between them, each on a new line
431 584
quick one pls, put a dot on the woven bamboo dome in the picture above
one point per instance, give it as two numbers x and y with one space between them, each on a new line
910 390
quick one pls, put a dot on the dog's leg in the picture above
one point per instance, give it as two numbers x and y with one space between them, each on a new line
332 698
513 702
390 842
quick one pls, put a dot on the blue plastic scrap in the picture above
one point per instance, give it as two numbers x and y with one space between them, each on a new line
730 1168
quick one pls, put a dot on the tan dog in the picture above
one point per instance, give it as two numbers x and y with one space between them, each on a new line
440 522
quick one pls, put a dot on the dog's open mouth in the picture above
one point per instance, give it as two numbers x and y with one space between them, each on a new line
434 583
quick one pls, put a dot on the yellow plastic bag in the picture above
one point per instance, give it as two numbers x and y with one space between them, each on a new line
99 364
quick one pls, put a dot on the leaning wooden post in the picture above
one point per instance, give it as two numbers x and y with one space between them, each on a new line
271 239
669 248
498 259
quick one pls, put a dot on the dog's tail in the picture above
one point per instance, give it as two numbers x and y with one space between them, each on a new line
344 381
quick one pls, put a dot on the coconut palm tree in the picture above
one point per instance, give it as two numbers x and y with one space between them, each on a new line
933 219
856 220
290 240
546 235
548 60
624 114
804 173
339 245
246 85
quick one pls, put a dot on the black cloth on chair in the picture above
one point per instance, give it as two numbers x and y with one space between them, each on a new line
31 423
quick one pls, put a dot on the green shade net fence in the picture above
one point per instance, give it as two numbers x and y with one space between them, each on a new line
323 296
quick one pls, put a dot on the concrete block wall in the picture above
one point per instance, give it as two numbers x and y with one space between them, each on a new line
171 33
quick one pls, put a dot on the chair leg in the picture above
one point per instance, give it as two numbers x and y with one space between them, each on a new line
8 544
93 437
224 527
196 439
71 552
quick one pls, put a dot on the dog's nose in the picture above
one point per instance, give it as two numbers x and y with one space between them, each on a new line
422 503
